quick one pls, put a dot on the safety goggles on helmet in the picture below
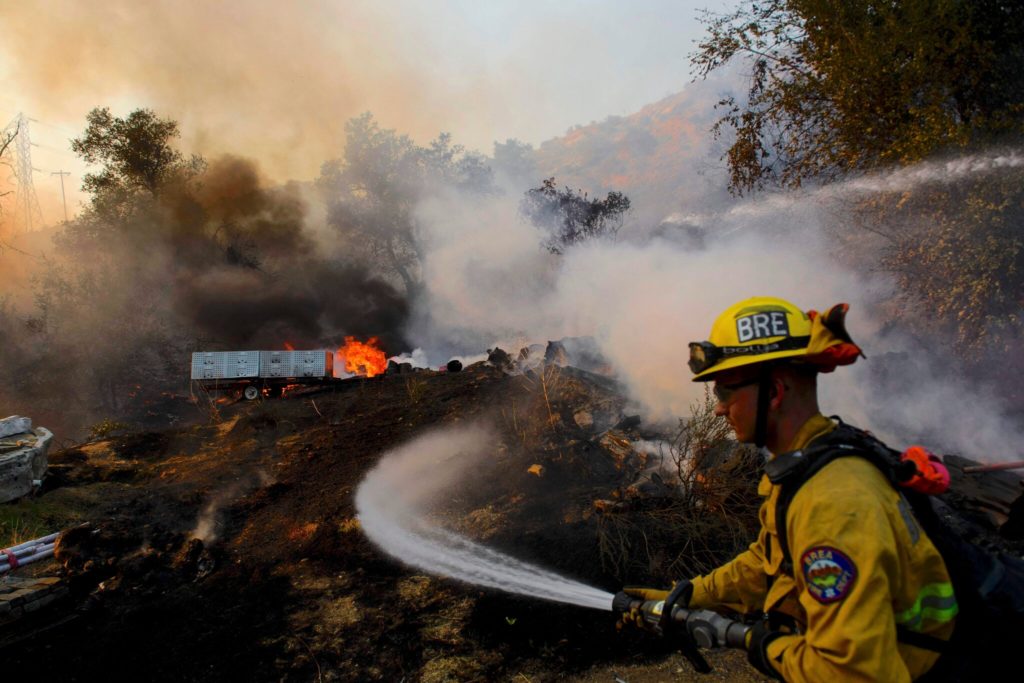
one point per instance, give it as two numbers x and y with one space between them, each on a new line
704 355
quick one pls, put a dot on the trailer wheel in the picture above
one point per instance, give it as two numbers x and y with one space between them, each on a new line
251 392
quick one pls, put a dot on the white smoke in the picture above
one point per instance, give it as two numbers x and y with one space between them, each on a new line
486 278
643 300
417 358
208 523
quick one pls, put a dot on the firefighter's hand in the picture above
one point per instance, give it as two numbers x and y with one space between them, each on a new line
758 639
645 594
632 617
635 616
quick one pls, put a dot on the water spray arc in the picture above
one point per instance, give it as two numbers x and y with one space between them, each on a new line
900 180
391 503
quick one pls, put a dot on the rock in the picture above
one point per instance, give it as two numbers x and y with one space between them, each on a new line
499 358
584 419
621 449
398 368
15 424
628 422
555 354
22 458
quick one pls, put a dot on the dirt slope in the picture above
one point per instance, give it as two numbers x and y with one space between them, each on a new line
283 584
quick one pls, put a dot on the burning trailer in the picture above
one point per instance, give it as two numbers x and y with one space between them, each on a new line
253 373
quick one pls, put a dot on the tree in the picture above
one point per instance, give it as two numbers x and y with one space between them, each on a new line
515 161
6 138
572 217
846 86
957 252
373 190
457 167
135 153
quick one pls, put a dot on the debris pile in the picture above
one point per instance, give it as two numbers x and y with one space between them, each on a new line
993 499
22 456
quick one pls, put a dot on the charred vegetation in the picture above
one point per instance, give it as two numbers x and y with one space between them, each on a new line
231 549
214 539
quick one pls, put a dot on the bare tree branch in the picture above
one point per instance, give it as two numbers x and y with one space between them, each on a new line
5 142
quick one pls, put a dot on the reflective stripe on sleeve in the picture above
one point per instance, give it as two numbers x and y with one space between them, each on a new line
935 602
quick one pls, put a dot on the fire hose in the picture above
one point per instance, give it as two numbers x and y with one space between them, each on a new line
709 630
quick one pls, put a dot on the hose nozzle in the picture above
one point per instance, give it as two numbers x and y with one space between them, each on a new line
622 602
708 629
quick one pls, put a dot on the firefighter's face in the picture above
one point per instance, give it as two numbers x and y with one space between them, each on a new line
736 393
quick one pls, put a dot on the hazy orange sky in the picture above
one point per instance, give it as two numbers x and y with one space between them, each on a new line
276 82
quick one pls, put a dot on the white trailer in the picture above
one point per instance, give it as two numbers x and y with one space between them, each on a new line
253 371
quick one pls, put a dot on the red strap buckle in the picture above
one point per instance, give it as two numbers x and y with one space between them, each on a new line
12 559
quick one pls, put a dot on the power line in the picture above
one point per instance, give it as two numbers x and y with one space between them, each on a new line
63 129
43 145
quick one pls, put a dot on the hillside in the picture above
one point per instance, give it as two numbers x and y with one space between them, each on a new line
662 156
228 549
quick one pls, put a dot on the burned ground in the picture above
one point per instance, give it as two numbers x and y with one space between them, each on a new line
229 549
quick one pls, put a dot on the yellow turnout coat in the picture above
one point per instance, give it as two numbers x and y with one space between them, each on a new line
861 565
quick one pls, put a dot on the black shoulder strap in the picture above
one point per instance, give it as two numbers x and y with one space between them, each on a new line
791 470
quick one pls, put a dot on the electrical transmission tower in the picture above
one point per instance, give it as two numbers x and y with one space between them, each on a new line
28 204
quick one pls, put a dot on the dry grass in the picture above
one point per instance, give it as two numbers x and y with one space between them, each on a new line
207 403
711 517
448 669
16 529
107 428
415 389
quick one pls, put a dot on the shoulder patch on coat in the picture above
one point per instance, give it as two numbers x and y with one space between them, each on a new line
828 572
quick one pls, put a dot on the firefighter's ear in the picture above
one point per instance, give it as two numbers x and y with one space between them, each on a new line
776 391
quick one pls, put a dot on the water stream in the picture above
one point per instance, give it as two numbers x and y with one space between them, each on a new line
743 215
392 504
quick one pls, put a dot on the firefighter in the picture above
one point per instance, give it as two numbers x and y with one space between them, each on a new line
864 582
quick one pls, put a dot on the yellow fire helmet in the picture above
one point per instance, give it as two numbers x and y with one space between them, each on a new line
765 329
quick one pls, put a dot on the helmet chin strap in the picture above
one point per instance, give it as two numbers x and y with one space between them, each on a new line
764 390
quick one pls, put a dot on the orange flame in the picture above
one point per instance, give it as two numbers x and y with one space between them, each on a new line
288 346
363 359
